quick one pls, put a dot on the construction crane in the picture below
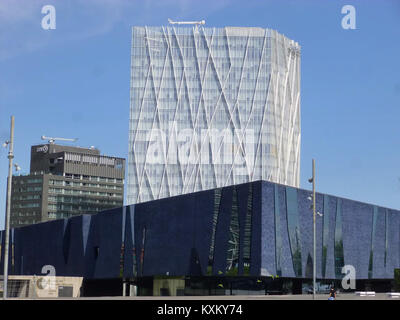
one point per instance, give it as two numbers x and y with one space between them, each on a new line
187 22
51 140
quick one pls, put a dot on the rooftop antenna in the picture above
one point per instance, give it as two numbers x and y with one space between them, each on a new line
186 22
197 23
51 139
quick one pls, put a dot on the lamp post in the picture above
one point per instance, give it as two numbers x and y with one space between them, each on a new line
312 180
8 206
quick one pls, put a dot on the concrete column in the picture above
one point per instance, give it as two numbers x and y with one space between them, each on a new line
132 290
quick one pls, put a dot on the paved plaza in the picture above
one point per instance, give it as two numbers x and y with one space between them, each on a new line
343 296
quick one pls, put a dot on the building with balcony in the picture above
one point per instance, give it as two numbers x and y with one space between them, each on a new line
65 181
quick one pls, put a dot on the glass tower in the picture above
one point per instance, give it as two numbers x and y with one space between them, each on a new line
211 107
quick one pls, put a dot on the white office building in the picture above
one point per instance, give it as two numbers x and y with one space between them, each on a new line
211 107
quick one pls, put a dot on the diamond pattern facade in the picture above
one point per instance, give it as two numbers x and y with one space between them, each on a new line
211 107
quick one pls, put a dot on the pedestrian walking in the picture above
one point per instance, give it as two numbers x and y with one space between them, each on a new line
332 293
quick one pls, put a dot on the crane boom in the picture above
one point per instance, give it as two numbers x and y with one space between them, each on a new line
51 139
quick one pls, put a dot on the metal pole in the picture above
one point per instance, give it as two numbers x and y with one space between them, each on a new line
314 232
8 205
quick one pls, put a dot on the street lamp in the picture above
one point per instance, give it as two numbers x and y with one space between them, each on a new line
10 145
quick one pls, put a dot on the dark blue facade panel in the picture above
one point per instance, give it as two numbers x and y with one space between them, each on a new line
142 214
172 236
378 246
204 205
37 246
330 245
129 270
27 249
319 219
104 251
286 260
52 236
243 193
255 257
222 232
91 248
73 240
393 246
306 229
357 231
172 232
268 263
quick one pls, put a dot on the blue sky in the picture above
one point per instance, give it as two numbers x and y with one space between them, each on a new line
74 81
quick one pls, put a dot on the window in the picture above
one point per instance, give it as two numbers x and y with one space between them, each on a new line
75 158
89 159
56 182
106 161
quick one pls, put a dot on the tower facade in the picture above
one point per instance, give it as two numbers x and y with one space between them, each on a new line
211 107
66 181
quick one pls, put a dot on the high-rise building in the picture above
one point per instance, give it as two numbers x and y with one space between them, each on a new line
65 181
212 107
